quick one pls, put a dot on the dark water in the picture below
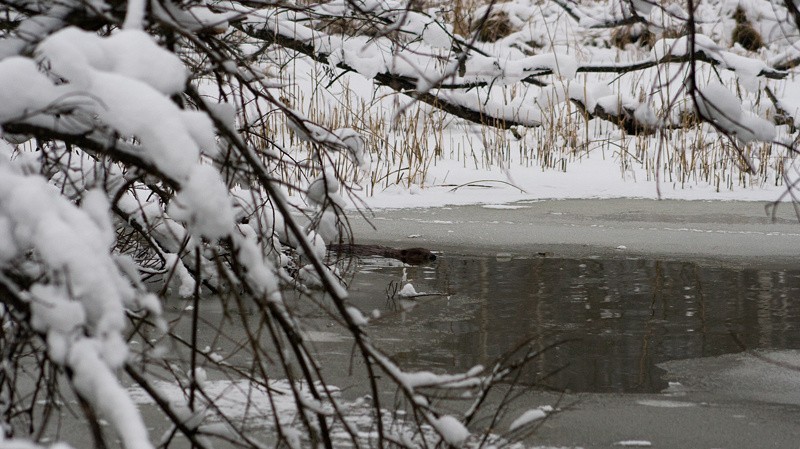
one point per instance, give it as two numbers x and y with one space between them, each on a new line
617 318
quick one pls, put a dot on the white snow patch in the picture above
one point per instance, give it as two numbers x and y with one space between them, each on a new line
407 291
665 403
633 443
358 318
504 206
530 416
451 429
204 204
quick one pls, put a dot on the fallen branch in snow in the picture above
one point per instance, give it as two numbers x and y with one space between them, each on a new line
586 19
408 85
403 84
699 56
476 183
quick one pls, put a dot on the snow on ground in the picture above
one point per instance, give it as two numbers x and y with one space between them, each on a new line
251 406
591 178
633 443
419 157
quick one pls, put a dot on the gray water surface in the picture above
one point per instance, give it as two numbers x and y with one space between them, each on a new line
649 350
615 319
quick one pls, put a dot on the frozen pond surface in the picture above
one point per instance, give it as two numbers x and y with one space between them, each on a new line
679 319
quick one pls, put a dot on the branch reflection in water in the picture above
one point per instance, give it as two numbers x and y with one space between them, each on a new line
621 316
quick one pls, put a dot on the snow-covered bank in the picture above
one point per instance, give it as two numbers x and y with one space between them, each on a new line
595 177
418 156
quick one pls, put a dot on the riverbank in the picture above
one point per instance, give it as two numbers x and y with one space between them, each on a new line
739 232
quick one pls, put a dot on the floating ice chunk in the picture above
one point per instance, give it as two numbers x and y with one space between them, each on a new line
665 403
407 291
633 443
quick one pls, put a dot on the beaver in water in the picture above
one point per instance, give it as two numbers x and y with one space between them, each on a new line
411 256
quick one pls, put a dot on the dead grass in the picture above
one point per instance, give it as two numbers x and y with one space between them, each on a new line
493 28
636 34
403 152
744 34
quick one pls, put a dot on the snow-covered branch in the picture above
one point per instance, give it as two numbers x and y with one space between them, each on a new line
453 83
151 152
620 15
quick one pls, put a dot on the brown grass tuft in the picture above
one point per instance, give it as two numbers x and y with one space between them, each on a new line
494 28
632 34
744 34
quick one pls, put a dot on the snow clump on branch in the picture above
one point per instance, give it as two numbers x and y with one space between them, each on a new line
122 82
79 305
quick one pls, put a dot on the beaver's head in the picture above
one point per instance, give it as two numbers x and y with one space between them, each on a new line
416 256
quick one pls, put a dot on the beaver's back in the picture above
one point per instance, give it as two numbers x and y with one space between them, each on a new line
413 256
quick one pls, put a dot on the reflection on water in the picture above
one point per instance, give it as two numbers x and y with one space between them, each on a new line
622 316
